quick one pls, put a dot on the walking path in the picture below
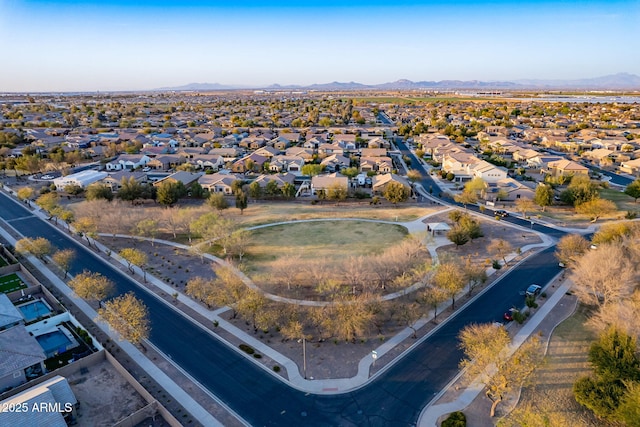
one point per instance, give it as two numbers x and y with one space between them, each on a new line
433 412
326 386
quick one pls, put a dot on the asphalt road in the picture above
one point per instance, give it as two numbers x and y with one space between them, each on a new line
394 398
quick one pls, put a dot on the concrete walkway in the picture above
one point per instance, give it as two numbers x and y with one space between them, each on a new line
432 413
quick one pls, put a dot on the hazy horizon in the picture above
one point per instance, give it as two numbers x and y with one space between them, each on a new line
78 46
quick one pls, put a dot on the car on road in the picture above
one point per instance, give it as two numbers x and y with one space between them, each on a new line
46 177
533 290
146 169
501 213
508 315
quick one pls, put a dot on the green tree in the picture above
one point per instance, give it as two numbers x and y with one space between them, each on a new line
458 235
615 365
312 169
543 196
396 192
217 201
271 189
98 191
580 190
241 201
255 190
633 190
130 189
169 192
73 189
288 190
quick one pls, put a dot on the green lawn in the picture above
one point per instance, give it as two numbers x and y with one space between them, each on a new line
622 201
3 262
10 283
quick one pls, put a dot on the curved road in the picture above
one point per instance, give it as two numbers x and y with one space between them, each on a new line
394 398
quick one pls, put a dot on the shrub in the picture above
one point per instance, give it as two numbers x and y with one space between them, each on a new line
257 356
247 348
531 302
496 264
276 368
519 317
455 419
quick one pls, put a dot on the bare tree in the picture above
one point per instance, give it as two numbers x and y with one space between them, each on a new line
474 274
500 248
604 275
285 270
570 248
525 205
356 272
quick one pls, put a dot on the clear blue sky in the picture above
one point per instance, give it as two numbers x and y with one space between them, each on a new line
109 45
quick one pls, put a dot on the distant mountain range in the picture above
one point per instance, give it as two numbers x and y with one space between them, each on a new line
620 81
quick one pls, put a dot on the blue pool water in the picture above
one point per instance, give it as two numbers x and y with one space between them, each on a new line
52 342
33 310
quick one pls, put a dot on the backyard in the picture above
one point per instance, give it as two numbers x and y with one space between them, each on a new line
11 282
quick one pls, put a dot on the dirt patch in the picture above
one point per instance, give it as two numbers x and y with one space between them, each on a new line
105 397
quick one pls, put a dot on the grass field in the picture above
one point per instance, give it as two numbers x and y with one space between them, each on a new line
266 213
549 399
623 202
10 283
329 240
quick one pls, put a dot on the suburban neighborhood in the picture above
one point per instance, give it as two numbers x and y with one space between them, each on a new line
318 244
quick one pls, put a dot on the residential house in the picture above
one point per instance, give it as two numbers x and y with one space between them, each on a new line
166 162
280 179
114 180
21 357
380 182
378 142
82 179
315 142
305 153
128 162
566 167
207 161
9 315
228 154
268 151
291 164
514 190
346 141
542 160
186 178
335 163
327 149
323 182
373 152
252 162
631 167
602 156
376 164
218 183
54 394
486 171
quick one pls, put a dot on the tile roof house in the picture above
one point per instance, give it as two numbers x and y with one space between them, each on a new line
380 182
323 182
9 314
54 394
218 182
128 161
186 178
566 167
335 163
21 357
305 153
292 164
280 179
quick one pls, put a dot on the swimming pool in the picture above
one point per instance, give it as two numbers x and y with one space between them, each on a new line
54 342
34 309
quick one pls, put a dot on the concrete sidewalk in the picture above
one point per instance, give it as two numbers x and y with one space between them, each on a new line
433 412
